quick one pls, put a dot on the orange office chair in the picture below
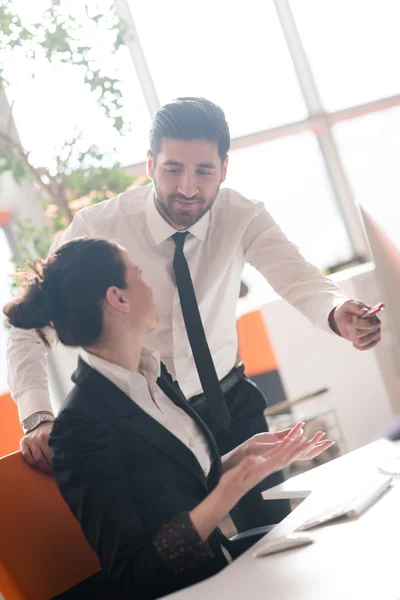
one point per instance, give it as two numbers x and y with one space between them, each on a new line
10 429
42 549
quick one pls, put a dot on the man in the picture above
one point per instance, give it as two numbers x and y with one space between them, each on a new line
187 162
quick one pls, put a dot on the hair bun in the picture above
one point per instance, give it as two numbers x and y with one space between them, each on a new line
33 309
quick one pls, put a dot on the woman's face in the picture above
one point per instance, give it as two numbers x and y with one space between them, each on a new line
142 310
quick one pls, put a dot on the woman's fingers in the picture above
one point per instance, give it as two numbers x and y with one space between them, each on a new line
283 453
262 443
264 438
269 458
317 449
257 449
317 437
292 449
284 432
291 452
313 442
262 467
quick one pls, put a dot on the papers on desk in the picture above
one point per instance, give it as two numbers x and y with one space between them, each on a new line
350 503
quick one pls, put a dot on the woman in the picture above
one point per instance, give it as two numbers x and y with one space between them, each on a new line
136 465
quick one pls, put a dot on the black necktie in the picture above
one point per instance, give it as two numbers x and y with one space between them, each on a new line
217 407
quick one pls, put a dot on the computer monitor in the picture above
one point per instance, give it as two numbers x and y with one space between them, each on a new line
386 254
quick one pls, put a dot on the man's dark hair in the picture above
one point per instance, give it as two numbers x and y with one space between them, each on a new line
190 119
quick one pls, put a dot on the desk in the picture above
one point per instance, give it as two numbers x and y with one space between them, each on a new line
361 461
352 560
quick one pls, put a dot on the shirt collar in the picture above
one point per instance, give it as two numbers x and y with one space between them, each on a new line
149 366
161 230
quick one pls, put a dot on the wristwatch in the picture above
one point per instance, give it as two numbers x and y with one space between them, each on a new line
33 421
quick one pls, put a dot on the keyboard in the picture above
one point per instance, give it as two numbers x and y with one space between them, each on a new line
351 502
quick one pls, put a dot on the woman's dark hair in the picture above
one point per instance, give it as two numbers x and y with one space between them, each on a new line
66 291
190 119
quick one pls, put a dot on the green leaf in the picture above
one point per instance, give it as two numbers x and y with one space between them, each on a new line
118 123
10 163
18 171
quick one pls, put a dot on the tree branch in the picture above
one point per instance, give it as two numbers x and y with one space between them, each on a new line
57 195
23 155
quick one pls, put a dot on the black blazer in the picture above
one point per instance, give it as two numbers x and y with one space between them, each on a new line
130 483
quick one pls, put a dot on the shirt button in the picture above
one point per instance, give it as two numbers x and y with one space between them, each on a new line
179 328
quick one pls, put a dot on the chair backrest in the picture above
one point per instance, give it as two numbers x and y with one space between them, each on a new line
255 347
42 548
10 429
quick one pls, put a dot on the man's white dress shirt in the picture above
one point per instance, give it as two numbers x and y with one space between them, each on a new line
141 387
235 231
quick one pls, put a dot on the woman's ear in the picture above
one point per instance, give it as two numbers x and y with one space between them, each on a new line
116 300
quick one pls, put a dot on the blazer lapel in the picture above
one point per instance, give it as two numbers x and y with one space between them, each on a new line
145 426
173 391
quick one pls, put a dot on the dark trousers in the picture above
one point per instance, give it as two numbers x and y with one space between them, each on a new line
246 404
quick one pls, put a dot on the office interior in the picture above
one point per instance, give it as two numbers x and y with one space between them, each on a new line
311 92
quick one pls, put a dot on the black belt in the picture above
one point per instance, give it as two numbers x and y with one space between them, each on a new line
227 383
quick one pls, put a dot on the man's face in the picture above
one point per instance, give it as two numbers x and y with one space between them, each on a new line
187 176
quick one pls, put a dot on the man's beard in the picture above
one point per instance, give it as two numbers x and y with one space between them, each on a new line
179 216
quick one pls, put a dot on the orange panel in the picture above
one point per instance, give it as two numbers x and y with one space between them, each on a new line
255 348
10 429
43 551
